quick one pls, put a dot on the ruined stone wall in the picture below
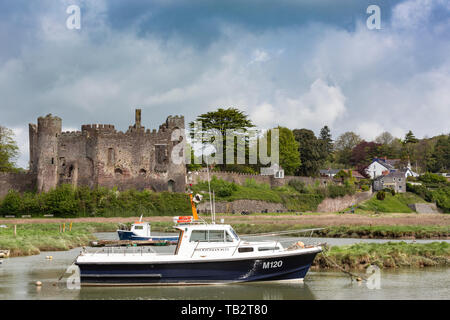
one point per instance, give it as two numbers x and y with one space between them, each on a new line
20 182
98 155
240 178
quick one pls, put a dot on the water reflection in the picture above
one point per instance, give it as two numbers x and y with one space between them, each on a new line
19 275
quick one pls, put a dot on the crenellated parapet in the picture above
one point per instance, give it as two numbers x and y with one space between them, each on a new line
98 128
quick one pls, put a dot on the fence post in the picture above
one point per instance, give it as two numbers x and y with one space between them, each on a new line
15 230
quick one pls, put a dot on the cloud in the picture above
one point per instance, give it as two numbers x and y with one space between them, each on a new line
292 67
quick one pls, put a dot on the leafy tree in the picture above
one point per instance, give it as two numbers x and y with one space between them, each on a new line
439 159
327 142
410 138
219 122
288 151
8 150
384 138
312 153
364 152
344 146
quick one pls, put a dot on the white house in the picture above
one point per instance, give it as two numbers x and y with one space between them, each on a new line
383 166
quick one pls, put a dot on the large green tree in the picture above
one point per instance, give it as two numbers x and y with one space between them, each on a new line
8 150
327 141
312 153
219 123
440 156
288 151
344 145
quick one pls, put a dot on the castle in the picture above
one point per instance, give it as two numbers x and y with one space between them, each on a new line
98 155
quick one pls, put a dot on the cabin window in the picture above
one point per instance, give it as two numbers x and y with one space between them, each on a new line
228 238
209 236
234 234
268 248
216 236
138 227
198 235
245 249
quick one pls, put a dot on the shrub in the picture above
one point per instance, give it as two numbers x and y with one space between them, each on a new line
381 195
11 204
298 185
433 178
393 192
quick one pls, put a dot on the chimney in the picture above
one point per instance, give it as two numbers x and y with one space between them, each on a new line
138 118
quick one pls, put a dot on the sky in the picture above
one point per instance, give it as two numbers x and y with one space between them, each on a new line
294 63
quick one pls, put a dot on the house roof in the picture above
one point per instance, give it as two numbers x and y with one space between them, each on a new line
393 174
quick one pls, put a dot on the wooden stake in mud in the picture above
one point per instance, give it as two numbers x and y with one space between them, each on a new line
70 226
64 227
15 230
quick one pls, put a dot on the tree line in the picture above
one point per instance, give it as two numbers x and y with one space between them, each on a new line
303 153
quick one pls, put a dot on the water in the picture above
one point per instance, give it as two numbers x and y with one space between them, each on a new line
19 275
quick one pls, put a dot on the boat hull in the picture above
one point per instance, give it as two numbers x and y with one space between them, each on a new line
275 268
129 235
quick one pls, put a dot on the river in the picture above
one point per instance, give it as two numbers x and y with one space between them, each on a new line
19 275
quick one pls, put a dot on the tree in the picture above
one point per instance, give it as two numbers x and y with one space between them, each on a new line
410 138
364 152
312 155
327 142
220 122
8 150
344 145
440 156
384 138
288 150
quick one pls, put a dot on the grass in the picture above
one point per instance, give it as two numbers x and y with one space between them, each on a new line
33 238
385 255
367 232
391 204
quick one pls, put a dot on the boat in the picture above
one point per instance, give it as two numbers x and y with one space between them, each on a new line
205 253
142 231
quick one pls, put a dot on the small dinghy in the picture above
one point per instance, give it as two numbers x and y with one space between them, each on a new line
142 231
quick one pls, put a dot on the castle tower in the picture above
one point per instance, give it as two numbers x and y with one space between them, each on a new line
46 152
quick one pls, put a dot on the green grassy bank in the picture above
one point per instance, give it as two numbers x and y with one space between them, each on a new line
392 203
31 239
385 255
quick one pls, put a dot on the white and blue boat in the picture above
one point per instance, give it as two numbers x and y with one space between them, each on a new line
142 231
205 254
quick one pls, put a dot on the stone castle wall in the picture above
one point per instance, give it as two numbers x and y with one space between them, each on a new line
99 155
240 178
20 182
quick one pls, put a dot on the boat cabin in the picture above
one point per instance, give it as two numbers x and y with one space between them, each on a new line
203 240
141 229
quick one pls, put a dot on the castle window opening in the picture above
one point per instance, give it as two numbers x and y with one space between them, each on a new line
118 171
171 185
111 156
70 171
143 172
53 160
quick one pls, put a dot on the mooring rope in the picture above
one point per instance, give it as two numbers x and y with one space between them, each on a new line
352 275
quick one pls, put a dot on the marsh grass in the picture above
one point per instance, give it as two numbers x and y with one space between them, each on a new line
386 255
33 238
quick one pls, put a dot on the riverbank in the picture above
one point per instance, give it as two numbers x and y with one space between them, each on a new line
31 239
384 255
